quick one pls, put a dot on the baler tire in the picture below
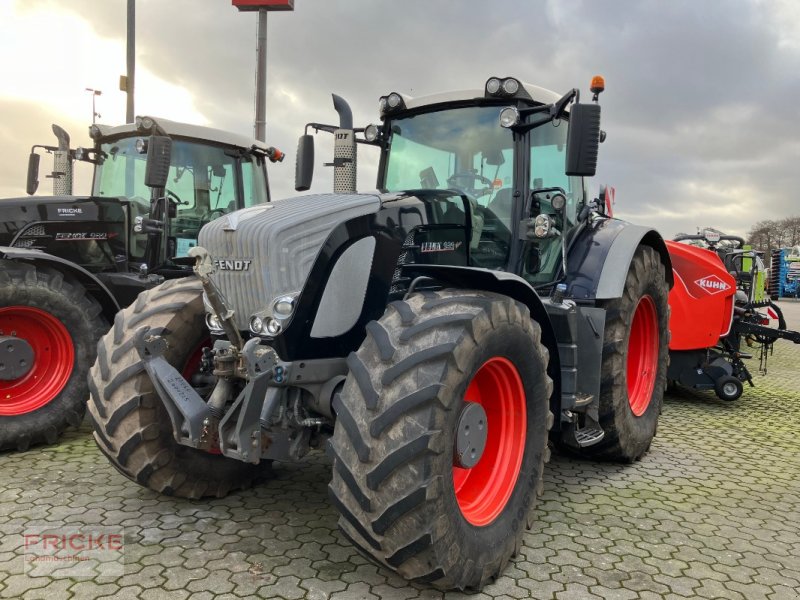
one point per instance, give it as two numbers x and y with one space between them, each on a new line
131 425
65 316
729 388
628 436
392 448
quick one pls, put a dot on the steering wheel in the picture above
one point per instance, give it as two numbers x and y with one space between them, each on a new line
210 215
455 178
175 197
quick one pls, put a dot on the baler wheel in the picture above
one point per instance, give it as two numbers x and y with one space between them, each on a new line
59 324
131 425
441 437
635 359
728 388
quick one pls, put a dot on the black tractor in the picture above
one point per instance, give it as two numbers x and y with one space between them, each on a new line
432 336
67 263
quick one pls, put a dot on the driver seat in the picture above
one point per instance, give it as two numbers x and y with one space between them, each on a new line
500 207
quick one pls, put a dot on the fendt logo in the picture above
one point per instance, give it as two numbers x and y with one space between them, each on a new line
712 284
232 264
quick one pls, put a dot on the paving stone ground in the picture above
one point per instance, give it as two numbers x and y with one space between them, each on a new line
713 511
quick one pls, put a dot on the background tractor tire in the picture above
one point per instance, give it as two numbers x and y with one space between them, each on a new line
61 323
131 425
635 360
400 498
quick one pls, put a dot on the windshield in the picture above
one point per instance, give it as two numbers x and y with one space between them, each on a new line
466 150
462 149
202 183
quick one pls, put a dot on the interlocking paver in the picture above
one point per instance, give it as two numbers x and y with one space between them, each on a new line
711 512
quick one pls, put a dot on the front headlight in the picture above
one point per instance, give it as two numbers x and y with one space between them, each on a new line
283 306
542 226
213 323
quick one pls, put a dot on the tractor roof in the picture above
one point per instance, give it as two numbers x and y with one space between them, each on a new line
538 94
186 130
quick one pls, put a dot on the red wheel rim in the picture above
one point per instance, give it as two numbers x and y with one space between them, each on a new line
54 359
642 356
194 360
484 490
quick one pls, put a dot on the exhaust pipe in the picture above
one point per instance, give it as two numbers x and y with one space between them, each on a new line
62 164
344 149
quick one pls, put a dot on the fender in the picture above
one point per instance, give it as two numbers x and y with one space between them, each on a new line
598 259
93 285
506 284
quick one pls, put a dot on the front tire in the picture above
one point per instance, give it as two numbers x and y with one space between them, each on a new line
401 499
131 425
60 323
635 359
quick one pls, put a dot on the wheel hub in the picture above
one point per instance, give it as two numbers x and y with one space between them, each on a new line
16 358
471 434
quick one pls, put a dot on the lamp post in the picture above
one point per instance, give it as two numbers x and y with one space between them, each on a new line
95 94
263 7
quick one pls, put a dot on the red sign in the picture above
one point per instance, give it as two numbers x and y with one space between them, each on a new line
246 5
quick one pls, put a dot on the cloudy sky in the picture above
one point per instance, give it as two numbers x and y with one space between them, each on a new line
700 104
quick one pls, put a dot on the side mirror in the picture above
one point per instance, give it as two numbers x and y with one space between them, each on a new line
304 163
159 155
583 140
33 174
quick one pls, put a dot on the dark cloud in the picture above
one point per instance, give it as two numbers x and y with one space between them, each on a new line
700 113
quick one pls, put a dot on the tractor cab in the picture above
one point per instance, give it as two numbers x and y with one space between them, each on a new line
209 173
128 223
500 170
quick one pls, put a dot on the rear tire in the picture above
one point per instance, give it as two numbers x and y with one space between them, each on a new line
635 359
131 425
62 323
394 482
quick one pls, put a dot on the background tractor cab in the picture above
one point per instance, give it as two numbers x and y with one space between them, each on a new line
163 180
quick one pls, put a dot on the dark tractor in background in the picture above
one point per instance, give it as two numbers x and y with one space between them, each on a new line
67 263
432 335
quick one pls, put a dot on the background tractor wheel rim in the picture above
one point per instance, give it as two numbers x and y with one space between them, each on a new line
729 389
483 491
642 364
54 359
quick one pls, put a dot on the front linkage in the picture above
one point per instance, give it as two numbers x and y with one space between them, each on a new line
268 419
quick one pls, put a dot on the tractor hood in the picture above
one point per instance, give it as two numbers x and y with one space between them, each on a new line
267 251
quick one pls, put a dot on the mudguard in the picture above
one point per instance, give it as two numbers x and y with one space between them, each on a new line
598 259
702 299
507 284
92 284
500 282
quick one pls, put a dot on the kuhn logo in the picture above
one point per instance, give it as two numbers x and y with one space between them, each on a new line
232 264
713 284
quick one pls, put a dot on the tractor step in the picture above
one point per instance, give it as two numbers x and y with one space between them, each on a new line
588 436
